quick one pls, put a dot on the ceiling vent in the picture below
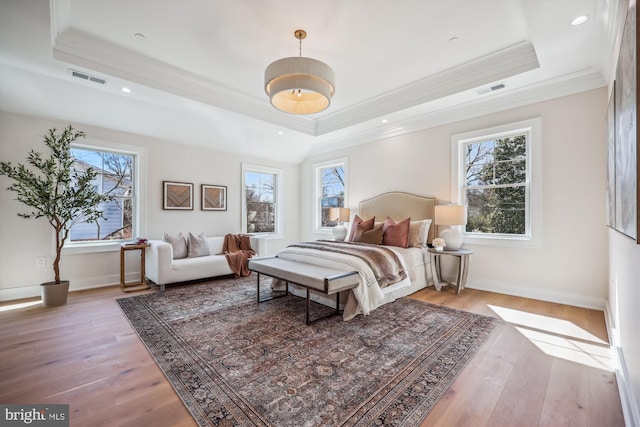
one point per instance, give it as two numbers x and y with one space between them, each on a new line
490 88
88 77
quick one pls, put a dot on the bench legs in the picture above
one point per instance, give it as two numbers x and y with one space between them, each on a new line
269 299
307 316
335 313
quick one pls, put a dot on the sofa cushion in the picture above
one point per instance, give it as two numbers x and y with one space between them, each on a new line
179 245
198 245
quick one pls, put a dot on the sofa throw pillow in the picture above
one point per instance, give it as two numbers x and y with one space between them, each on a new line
418 233
366 225
373 236
396 233
179 245
198 245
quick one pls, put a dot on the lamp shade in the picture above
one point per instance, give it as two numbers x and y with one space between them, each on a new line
339 214
450 215
299 85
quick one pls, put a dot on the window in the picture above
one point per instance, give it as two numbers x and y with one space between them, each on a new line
261 204
116 176
495 177
330 192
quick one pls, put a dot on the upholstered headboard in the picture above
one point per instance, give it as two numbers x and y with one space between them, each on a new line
399 205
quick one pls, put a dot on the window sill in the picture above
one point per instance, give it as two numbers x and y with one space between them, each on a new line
266 236
325 230
517 242
85 248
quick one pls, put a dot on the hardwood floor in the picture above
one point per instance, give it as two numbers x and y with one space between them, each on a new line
546 365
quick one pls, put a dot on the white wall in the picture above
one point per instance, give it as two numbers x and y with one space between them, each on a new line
624 308
21 241
571 265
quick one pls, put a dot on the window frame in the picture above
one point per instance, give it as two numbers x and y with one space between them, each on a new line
533 189
317 191
137 226
247 167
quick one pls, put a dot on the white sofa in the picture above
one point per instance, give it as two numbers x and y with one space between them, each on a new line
161 268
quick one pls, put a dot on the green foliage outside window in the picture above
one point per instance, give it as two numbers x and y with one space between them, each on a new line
495 191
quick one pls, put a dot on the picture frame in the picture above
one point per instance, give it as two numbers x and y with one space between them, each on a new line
214 197
627 173
177 195
611 160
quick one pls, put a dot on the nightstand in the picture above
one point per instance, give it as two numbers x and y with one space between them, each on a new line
463 266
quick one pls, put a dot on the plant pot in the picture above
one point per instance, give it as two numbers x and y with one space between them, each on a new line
54 294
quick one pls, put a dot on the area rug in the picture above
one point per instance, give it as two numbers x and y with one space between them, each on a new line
236 362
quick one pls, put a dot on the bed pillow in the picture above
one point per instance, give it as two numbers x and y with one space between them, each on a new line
418 233
366 225
179 245
396 233
373 236
198 245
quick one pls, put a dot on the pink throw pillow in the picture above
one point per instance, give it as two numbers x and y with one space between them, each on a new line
396 233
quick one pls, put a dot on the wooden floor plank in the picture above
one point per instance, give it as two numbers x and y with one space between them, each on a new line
87 354
529 377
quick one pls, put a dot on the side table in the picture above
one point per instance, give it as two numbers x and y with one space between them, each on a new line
463 266
142 284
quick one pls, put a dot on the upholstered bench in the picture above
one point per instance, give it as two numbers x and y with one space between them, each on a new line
315 278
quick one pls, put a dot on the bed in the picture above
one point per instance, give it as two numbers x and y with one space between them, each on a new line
370 294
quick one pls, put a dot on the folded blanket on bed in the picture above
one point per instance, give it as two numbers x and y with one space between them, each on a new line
237 249
384 262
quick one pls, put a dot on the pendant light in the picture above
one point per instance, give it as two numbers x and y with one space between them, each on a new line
299 85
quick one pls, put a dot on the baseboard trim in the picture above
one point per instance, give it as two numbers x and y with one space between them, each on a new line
543 295
629 402
24 292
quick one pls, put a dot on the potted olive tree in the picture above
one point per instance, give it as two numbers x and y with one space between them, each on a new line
54 190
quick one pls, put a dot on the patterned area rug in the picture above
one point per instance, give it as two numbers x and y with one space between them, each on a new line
236 362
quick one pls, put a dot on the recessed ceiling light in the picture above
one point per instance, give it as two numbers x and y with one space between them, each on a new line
125 90
580 20
140 36
385 121
280 132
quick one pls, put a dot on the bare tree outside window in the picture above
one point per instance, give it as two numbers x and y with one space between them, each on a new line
260 193
115 177
496 185
332 188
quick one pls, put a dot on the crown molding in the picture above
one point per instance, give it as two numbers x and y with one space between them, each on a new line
558 87
60 18
499 65
416 106
90 52
84 50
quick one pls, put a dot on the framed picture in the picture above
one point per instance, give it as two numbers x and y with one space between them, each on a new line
611 161
214 197
177 195
626 131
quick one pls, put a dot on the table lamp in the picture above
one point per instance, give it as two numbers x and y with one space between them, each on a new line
341 215
452 217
